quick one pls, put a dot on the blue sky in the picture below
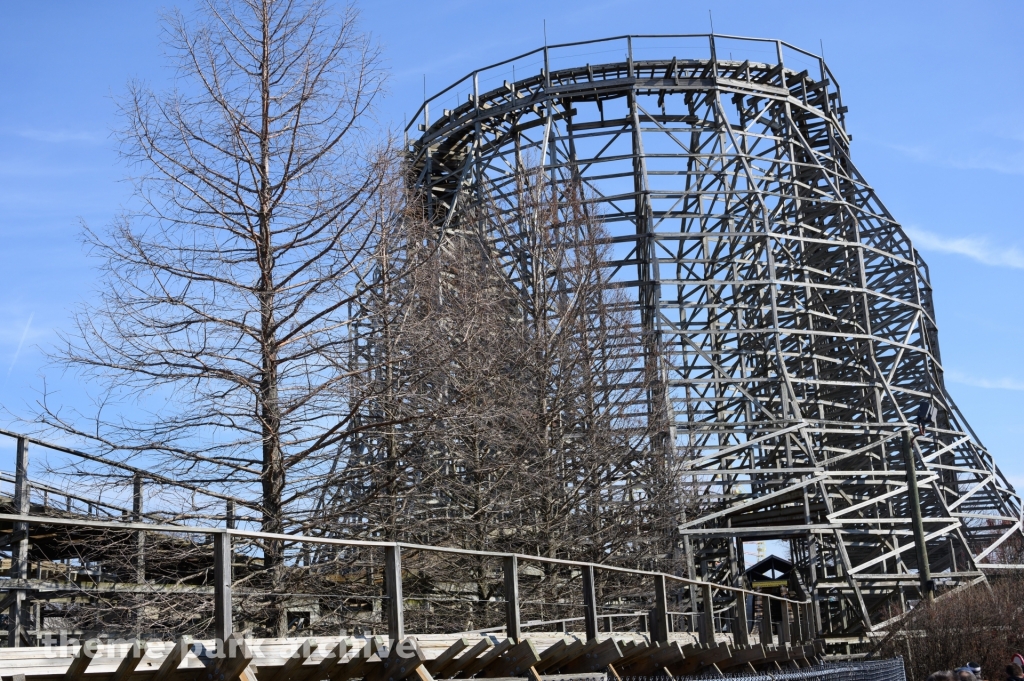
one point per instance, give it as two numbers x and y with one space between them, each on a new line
936 110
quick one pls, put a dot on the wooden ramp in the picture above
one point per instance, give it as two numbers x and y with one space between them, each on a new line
418 658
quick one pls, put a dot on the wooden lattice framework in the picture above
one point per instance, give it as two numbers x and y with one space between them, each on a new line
788 315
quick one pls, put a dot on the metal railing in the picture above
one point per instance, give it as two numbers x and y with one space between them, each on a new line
659 627
708 46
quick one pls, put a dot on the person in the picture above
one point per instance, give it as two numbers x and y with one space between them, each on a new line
1014 672
941 676
927 416
965 674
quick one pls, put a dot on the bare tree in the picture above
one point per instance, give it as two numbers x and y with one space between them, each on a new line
261 188
517 419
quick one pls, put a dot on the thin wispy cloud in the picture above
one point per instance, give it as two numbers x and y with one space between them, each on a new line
21 343
61 136
1003 161
976 248
981 382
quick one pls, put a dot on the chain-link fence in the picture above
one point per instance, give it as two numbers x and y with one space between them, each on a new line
874 670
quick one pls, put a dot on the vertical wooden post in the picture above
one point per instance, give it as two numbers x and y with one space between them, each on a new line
691 572
707 620
767 638
609 627
393 582
222 587
784 628
659 623
513 626
19 552
589 603
923 570
140 536
741 627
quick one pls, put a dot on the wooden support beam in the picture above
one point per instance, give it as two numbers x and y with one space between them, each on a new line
83 656
513 662
565 655
637 650
403 659
598 655
360 661
659 617
705 657
327 665
553 651
130 662
292 664
510 568
447 656
707 620
393 582
19 552
655 658
785 631
232 657
767 638
478 665
173 659
743 657
222 586
741 625
456 666
590 602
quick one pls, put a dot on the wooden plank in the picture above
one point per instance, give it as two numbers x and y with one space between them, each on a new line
487 658
359 662
131 660
402 661
286 671
174 657
447 656
597 657
704 657
744 656
553 650
514 662
228 662
563 656
453 668
326 667
83 656
657 656
635 650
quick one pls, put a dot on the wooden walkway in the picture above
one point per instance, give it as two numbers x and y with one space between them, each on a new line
419 658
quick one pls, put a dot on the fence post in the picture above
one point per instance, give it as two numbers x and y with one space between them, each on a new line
659 625
741 630
140 536
766 621
785 631
707 620
393 582
510 568
589 603
222 587
19 551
